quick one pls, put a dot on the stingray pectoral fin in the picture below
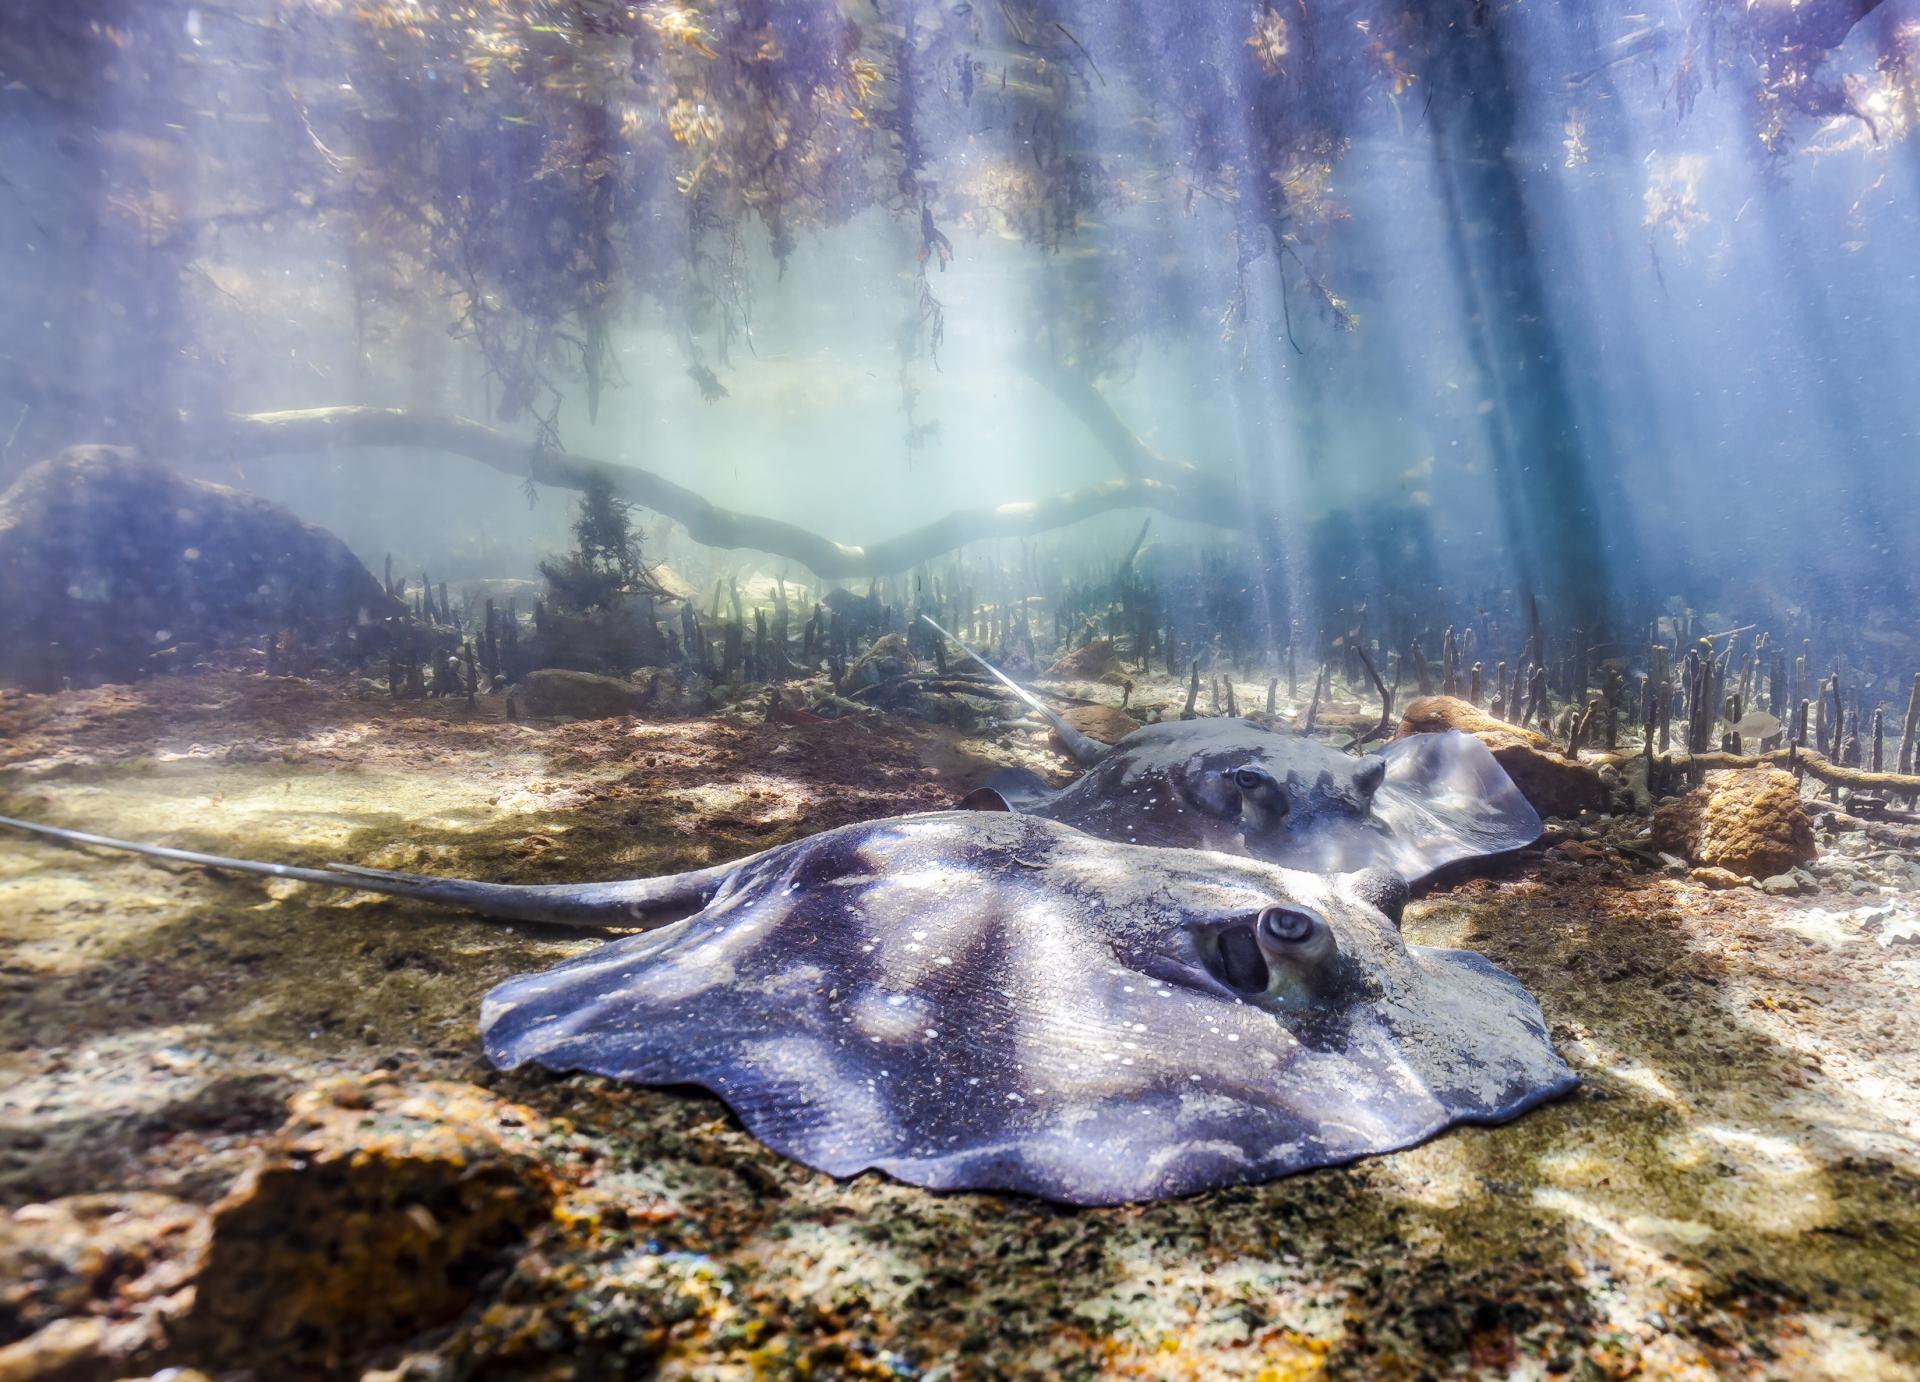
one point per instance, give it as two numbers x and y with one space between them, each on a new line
1507 1063
1445 799
1085 749
1020 789
636 902
982 799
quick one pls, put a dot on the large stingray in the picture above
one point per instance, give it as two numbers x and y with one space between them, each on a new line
975 1000
1416 805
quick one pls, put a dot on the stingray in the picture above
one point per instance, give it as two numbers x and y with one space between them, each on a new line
992 1001
1415 806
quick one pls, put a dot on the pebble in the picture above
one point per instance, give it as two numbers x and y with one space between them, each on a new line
1712 877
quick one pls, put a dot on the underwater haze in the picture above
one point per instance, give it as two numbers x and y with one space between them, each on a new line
1610 305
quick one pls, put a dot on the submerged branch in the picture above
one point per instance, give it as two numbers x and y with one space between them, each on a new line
319 429
1815 764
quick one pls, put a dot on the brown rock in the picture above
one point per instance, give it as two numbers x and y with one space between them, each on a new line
60 1257
554 693
87 1282
68 1350
1090 662
1717 878
1747 820
1555 784
1579 850
377 1214
1109 724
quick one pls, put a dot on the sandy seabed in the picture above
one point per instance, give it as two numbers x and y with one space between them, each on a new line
1734 1191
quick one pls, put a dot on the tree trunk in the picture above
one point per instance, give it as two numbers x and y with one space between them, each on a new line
320 429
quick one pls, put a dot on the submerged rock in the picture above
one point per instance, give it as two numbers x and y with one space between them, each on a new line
377 1215
1789 884
1554 784
886 659
1106 723
609 641
1719 879
108 560
1747 820
1090 662
88 1282
554 693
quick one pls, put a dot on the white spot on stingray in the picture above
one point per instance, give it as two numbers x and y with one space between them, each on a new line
898 1019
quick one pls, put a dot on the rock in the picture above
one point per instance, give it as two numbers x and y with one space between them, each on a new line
1749 820
72 1348
86 1282
1631 787
1107 723
1780 885
380 1209
1579 850
606 642
1089 663
939 708
1717 878
887 658
554 693
1893 924
1555 784
107 559
856 614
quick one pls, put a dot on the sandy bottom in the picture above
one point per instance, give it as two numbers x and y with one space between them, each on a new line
1734 1191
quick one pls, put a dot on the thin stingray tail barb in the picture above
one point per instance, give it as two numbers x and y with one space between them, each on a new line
640 902
1085 749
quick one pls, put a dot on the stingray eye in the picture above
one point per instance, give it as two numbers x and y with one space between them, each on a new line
1262 789
1369 775
1286 925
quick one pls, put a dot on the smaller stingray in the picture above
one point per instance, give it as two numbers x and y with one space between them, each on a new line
979 1000
1415 806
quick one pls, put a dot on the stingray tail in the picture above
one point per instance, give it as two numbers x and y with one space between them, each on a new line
640 902
1085 749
